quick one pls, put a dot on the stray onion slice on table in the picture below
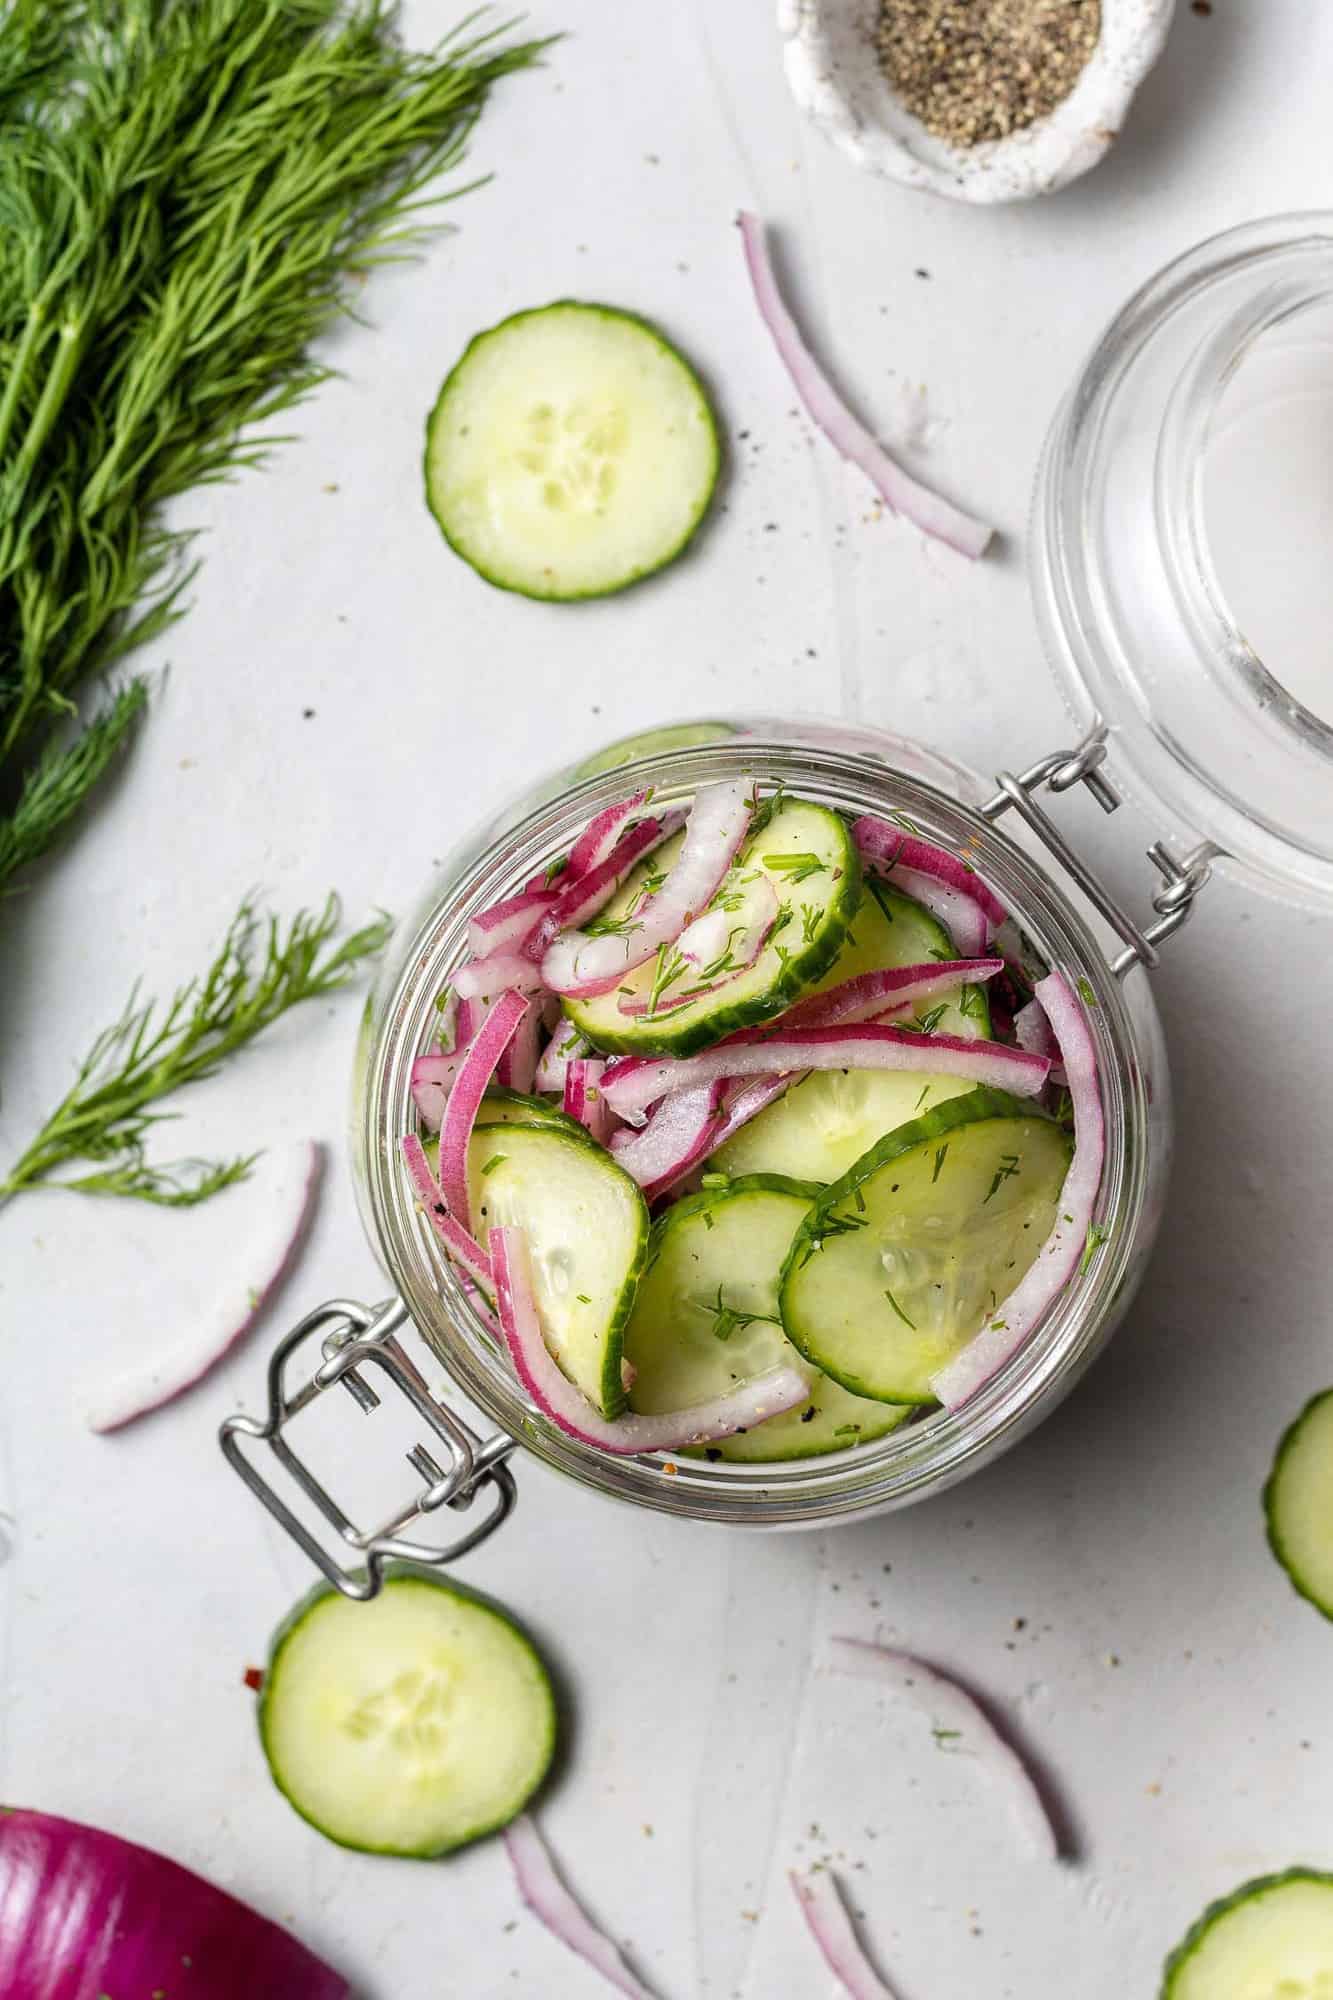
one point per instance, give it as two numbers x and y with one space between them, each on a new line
953 1711
900 493
766 1395
550 1901
1074 1238
831 1928
290 1179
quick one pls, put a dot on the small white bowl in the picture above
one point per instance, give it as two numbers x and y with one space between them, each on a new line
835 76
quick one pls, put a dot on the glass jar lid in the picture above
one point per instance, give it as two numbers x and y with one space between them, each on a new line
1198 403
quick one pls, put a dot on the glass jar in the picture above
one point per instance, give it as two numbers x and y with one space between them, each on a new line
1136 618
1171 700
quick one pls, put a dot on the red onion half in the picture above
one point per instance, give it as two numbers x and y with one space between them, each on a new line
84 1914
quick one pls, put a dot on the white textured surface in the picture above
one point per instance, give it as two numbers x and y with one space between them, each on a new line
1167 1679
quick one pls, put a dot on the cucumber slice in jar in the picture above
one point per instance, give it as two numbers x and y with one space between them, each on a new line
409 1724
502 1106
706 1317
586 1225
808 856
1298 1503
899 1262
822 1125
1271 1939
571 452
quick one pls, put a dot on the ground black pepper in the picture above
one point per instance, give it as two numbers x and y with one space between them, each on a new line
973 70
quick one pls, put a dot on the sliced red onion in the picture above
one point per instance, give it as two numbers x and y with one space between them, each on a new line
950 1706
584 1100
601 833
84 1914
432 1080
507 926
633 1083
1064 1249
584 895
746 1100
566 1040
503 972
551 1903
462 1246
460 1114
555 1395
831 1929
585 965
517 1067
961 914
900 493
291 1179
725 943
881 840
874 993
1033 1030
682 1131
471 1014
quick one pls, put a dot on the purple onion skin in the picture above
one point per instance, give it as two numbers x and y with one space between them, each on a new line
87 1916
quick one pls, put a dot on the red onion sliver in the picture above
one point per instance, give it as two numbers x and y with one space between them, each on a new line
432 1080
517 1067
584 895
900 493
632 1083
747 1101
460 1115
504 972
1033 1030
584 1100
551 1903
555 1395
1062 1253
874 993
949 1705
471 1014
601 833
463 1248
831 1929
507 926
682 1131
579 964
881 840
736 935
557 1055
291 1179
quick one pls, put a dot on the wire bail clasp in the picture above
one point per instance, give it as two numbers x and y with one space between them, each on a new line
1181 880
355 1339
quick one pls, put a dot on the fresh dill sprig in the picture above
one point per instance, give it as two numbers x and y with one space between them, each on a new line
728 1319
186 188
796 868
62 778
150 1052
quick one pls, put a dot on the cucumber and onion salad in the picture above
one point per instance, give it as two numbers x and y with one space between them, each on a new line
722 1142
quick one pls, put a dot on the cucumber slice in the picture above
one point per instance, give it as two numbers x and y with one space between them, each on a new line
502 1106
810 858
1270 1940
896 1265
822 1126
410 1724
587 1229
706 1317
1298 1502
571 451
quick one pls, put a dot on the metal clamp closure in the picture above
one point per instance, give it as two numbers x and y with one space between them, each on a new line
1181 880
357 1339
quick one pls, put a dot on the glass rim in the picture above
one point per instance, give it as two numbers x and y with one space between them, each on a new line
926 1455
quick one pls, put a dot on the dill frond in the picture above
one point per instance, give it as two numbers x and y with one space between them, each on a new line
58 783
149 1052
